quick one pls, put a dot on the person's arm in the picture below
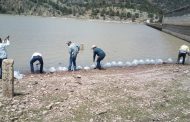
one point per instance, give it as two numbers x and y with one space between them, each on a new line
188 52
188 49
7 38
78 47
6 41
70 51
94 56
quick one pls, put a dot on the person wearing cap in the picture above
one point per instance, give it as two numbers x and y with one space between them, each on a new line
73 51
101 55
183 50
36 57
3 52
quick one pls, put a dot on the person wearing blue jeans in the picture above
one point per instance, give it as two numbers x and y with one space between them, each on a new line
72 61
36 57
73 51
101 55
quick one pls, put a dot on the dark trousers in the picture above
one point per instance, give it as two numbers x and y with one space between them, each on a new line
1 61
34 59
72 61
100 58
183 55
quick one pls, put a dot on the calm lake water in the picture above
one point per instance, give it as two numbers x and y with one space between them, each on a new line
121 42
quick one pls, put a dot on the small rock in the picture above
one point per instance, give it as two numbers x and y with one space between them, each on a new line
57 103
91 120
20 113
1 105
176 70
71 90
35 82
26 119
56 89
69 107
61 109
15 102
14 119
44 112
102 112
78 76
155 120
13 109
79 82
50 106
187 71
86 68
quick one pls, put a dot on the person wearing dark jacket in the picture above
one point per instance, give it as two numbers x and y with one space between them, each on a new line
101 55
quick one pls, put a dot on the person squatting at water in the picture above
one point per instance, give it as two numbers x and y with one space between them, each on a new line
36 57
3 52
101 55
183 50
73 51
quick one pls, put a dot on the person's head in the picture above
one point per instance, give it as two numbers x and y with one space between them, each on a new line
93 46
0 40
68 43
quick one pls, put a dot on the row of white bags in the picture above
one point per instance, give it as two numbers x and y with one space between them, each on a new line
135 62
114 64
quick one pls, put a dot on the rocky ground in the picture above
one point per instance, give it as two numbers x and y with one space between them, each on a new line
146 93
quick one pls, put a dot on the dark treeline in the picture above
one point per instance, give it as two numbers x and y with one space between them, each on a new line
96 8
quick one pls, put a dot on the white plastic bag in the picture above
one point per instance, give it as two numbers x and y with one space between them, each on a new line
113 63
169 60
93 66
128 64
86 68
159 61
107 65
147 61
152 61
120 64
141 62
62 69
79 67
135 62
52 70
17 75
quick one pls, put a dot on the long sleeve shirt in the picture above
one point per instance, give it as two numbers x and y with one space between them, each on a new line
74 49
99 52
3 51
184 49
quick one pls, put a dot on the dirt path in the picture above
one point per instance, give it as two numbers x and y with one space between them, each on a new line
142 93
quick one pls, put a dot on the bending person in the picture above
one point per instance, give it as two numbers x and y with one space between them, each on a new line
101 55
36 57
73 51
184 49
3 52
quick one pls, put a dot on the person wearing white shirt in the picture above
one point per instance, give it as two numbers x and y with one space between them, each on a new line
3 52
36 57
183 51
